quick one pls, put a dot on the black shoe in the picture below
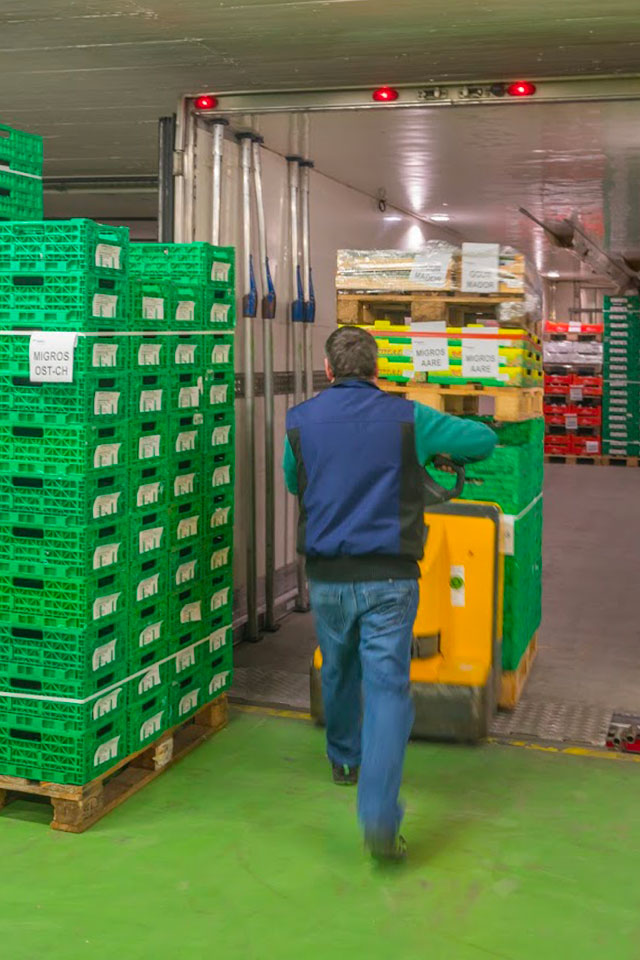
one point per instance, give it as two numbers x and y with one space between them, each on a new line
386 849
344 775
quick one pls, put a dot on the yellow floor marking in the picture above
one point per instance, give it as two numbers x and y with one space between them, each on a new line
271 711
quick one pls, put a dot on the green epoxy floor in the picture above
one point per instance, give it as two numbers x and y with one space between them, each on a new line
246 851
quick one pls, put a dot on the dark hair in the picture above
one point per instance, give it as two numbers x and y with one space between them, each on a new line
352 353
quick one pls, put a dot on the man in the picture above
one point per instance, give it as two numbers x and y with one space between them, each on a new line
355 456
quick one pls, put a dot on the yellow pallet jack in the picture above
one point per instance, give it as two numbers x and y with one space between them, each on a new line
456 653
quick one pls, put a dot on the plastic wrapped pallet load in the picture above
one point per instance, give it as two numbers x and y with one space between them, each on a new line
436 266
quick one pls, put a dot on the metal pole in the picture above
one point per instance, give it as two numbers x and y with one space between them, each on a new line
249 310
307 284
218 140
297 321
268 311
166 142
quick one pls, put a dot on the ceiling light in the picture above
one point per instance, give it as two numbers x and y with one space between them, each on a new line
440 217
392 219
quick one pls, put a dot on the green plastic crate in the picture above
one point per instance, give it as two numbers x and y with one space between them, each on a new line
149 533
188 648
149 718
219 352
151 679
62 551
217 674
187 694
185 436
149 487
522 608
20 151
63 758
94 356
37 444
218 512
150 395
46 715
78 301
185 565
185 606
185 522
218 597
186 478
149 304
149 440
198 307
219 434
62 500
219 389
218 479
102 398
68 602
187 352
186 389
196 262
20 196
63 247
148 634
61 662
148 580
149 353
219 553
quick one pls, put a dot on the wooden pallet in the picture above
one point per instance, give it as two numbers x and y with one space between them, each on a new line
501 403
76 808
513 681
366 308
573 337
596 461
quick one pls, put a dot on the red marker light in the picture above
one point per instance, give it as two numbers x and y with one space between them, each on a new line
521 89
205 102
385 95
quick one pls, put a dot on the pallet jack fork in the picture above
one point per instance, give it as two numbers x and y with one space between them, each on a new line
456 653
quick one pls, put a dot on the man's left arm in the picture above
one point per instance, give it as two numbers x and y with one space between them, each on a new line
290 468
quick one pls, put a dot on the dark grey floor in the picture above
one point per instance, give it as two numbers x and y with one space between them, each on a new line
589 658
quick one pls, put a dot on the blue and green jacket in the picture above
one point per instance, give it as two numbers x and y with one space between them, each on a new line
355 457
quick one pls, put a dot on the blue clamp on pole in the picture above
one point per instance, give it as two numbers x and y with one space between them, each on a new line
250 300
269 298
297 307
310 306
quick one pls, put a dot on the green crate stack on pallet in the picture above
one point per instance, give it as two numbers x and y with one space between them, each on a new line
20 175
182 301
63 500
621 372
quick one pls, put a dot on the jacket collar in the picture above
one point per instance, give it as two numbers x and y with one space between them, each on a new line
354 382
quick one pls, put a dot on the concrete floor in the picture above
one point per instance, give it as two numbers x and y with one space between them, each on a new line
589 655
247 850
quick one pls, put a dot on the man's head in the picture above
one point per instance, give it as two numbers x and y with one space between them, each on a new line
351 354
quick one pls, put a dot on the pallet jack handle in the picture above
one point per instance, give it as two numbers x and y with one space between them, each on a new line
434 492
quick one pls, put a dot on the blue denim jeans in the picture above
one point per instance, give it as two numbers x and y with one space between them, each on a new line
364 630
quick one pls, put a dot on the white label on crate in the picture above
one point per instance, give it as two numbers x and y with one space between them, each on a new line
188 702
150 401
187 440
220 436
221 476
480 359
220 558
221 353
217 640
220 517
106 455
106 555
148 494
105 355
218 682
106 751
575 326
188 528
106 704
191 612
108 255
185 353
150 634
51 357
150 539
151 726
105 606
184 484
186 658
220 599
150 680
218 394
592 446
456 585
430 354
105 305
571 421
153 308
149 447
220 271
430 268
149 354
507 534
186 572
186 310
575 393
148 587
219 312
106 505
188 397
104 655
480 267
105 403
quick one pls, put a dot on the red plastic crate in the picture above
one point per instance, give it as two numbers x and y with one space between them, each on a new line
589 416
557 446
590 386
557 386
585 446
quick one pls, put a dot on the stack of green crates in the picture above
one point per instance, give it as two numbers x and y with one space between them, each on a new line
116 510
621 372
512 478
20 175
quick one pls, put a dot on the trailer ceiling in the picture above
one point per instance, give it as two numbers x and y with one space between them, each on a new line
94 75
